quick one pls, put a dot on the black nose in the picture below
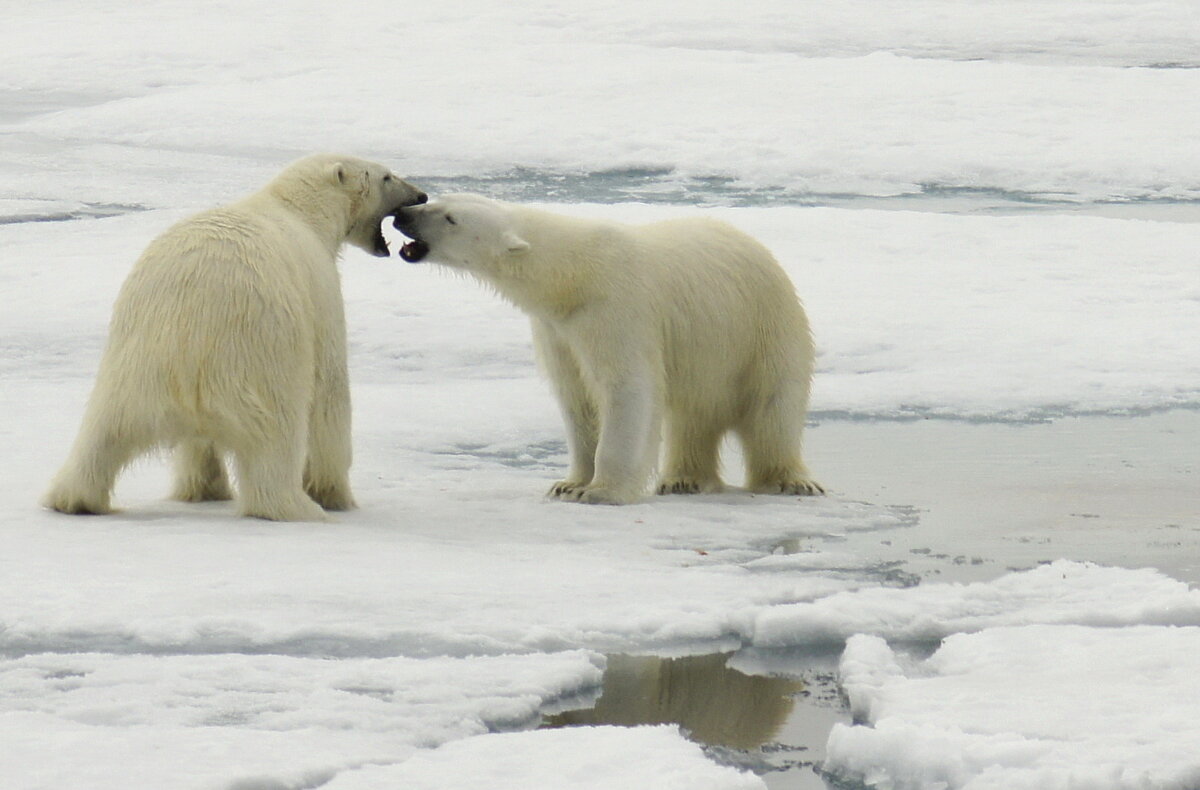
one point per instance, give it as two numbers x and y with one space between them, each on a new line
422 198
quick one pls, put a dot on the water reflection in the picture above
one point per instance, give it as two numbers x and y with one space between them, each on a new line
713 704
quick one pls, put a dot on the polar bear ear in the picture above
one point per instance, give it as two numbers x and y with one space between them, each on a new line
337 173
514 243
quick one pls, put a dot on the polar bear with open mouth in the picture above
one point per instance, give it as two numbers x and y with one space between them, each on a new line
688 322
228 337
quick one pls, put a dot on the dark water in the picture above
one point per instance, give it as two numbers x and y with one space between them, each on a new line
766 712
667 186
66 214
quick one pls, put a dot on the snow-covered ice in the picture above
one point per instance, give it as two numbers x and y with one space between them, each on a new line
1067 98
595 759
103 720
1098 708
1044 154
1057 593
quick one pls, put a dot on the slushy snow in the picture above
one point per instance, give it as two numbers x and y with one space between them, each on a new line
418 640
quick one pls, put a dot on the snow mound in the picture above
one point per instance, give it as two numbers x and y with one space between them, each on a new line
1027 708
1061 592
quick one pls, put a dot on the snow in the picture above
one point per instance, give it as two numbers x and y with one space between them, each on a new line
416 641
1099 709
1055 98
202 721
1060 593
589 760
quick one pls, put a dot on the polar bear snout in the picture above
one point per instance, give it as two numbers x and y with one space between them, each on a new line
400 194
402 219
416 198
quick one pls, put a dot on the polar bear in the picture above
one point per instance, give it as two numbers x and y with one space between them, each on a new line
688 322
228 336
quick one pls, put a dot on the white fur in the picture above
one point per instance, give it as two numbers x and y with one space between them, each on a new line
687 325
228 336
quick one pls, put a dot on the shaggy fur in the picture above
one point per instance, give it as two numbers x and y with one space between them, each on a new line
228 337
687 325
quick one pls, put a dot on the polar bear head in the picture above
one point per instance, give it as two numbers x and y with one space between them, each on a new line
465 231
366 191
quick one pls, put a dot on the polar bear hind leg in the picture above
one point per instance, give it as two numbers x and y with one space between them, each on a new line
270 476
111 437
327 469
260 410
771 438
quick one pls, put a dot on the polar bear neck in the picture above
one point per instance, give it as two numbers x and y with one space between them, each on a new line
556 276
328 212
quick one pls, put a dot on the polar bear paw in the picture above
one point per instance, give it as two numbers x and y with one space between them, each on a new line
600 495
566 490
76 504
295 507
211 490
331 497
801 487
590 494
689 485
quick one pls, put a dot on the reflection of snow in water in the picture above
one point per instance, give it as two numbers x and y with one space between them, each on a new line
711 702
771 719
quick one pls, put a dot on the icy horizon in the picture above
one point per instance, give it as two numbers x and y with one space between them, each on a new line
1069 100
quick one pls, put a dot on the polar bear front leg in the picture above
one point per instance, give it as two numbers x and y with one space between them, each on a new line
692 457
577 407
199 473
582 436
327 469
628 443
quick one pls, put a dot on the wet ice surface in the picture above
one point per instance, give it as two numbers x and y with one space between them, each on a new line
992 497
990 211
991 500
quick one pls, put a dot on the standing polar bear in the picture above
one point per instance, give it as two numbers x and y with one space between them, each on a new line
688 321
228 336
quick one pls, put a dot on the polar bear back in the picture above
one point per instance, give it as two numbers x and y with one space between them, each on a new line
214 307
723 314
729 314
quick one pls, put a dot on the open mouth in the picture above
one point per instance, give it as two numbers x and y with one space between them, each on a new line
417 248
379 244
414 251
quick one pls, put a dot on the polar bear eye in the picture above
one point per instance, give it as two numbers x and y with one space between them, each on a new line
451 220
387 178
